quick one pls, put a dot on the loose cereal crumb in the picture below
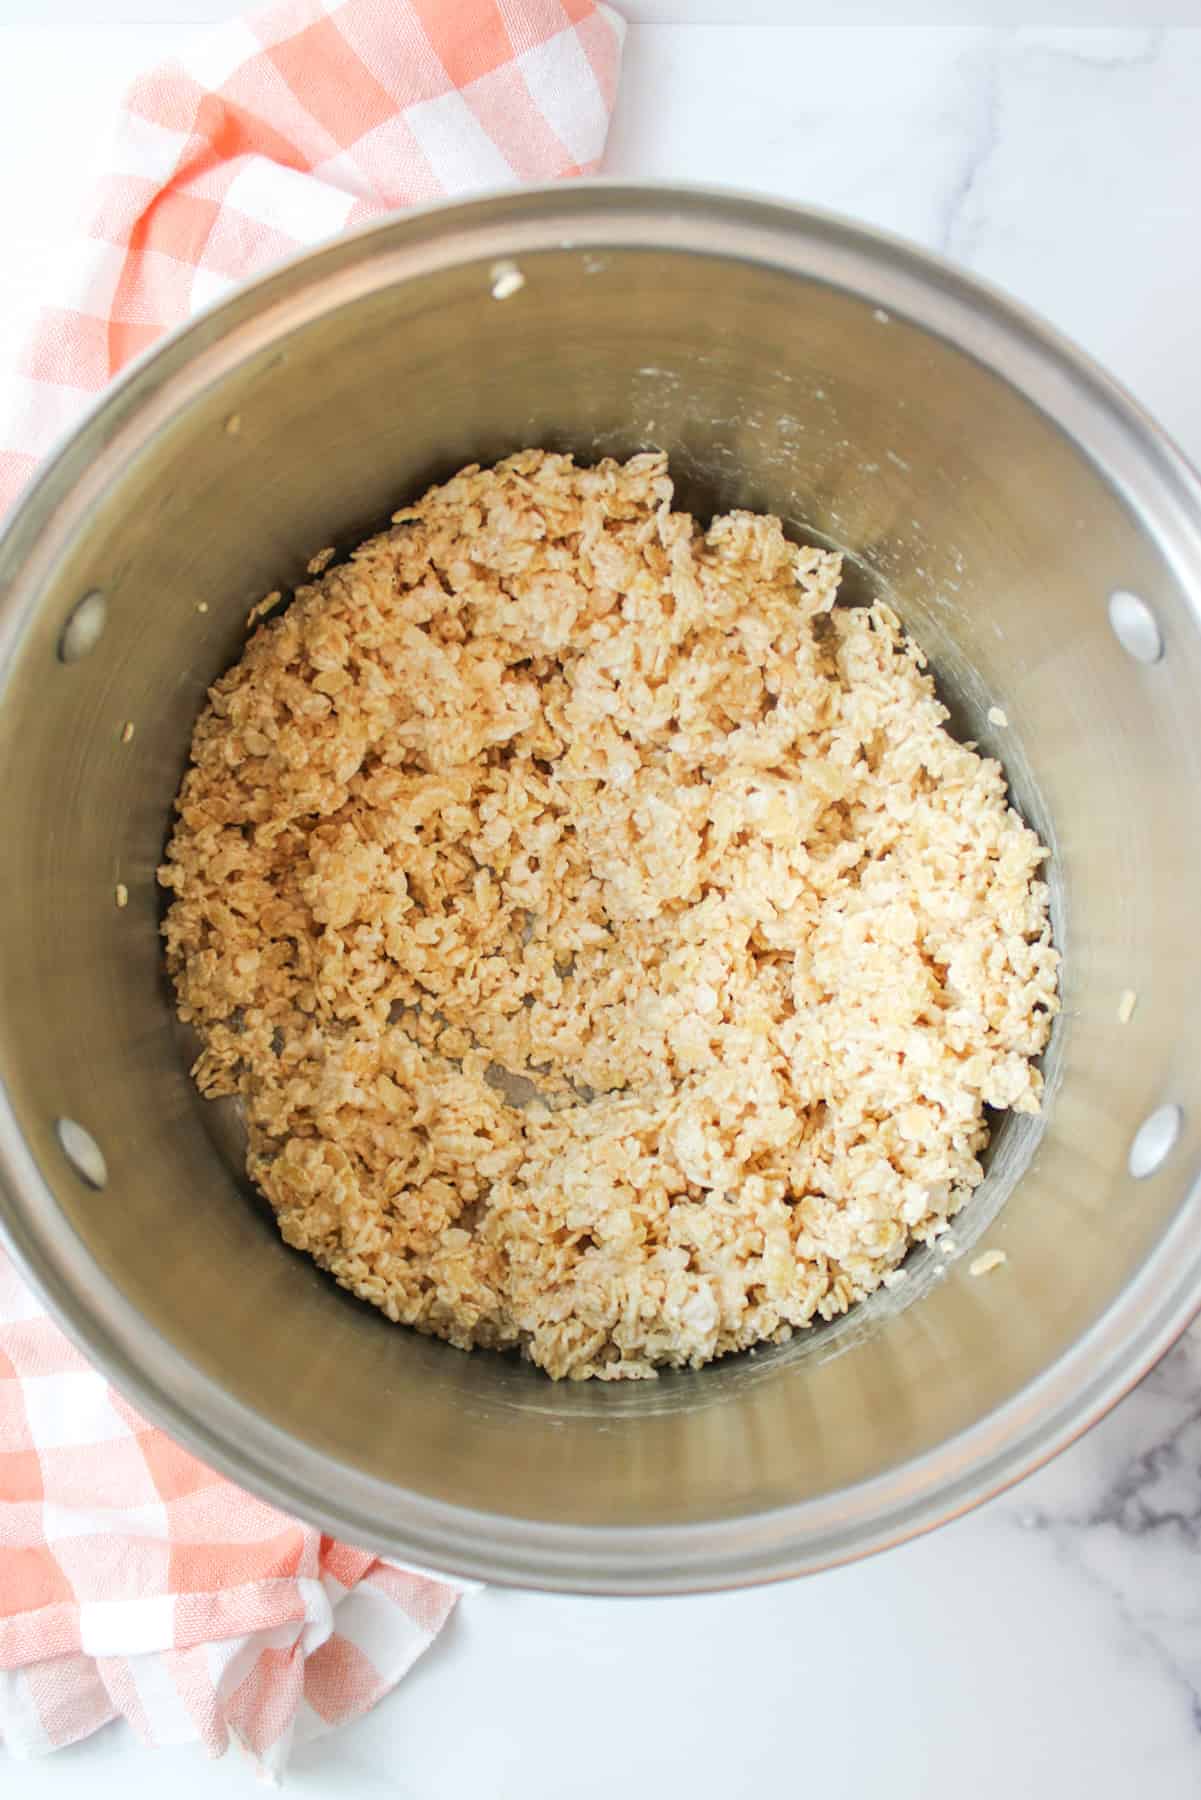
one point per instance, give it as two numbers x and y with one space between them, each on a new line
233 425
612 952
894 1277
262 607
507 280
997 716
984 1265
1126 1006
202 606
127 731
121 894
947 1244
318 564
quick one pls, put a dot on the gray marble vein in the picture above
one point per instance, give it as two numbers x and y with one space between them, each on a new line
982 70
1122 1510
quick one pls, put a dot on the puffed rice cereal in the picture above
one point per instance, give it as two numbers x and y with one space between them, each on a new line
611 951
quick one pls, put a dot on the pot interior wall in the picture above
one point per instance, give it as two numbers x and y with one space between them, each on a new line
998 542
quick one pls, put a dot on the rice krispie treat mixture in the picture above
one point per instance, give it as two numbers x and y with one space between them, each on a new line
611 951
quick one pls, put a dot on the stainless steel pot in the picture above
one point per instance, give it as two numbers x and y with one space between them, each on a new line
979 471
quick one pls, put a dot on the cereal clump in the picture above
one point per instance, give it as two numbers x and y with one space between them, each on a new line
611 951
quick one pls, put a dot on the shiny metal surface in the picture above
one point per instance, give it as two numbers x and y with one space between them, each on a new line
981 473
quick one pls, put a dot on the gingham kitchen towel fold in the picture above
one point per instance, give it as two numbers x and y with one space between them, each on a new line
133 1581
287 127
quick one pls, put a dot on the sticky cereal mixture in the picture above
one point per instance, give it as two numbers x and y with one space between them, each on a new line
611 951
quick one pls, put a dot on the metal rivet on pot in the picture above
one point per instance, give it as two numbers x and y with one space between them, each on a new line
1135 627
1154 1141
82 1152
82 630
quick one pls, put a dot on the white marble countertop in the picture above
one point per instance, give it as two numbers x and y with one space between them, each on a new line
1050 1643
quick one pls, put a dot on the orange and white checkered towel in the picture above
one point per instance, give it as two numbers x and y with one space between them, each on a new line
133 1581
289 126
